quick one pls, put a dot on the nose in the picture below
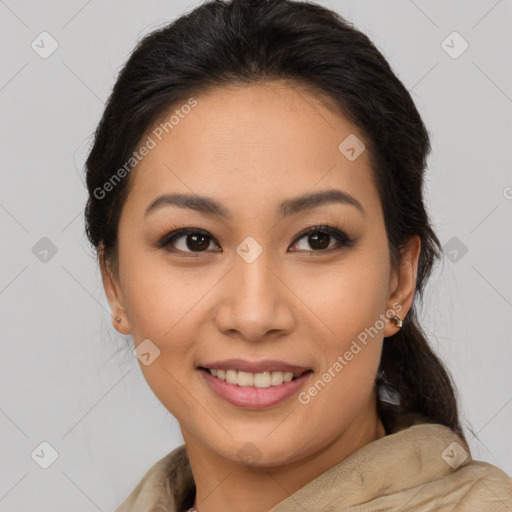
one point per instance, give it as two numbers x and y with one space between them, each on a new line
255 302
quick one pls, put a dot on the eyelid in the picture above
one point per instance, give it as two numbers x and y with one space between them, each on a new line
335 232
165 241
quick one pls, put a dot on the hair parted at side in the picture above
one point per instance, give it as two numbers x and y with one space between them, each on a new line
249 41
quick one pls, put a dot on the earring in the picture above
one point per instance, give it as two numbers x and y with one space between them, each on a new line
397 321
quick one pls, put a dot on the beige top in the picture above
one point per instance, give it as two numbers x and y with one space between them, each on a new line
422 467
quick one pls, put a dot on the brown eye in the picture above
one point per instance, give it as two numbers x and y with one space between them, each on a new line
322 238
187 240
319 240
197 242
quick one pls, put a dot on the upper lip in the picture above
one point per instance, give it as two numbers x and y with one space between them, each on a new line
255 366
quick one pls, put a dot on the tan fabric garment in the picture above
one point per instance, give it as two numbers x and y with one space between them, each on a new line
403 471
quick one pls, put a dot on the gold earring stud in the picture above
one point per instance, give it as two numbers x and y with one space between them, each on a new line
397 321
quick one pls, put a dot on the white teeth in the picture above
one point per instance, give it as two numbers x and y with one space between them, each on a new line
277 378
246 379
259 380
231 376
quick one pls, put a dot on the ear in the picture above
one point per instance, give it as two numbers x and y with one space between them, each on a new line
403 285
114 294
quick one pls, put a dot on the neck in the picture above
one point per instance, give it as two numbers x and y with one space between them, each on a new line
223 484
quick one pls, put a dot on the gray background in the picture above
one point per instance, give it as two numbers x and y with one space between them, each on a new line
61 379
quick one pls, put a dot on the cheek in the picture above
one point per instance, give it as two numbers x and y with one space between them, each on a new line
347 298
158 296
161 306
346 307
349 339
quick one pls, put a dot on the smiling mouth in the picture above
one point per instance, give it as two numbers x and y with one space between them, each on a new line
257 380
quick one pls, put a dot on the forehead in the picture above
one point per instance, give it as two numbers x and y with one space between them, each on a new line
254 140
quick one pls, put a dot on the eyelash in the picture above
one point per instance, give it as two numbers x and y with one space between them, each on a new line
342 238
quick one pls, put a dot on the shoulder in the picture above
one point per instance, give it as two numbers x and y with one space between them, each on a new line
455 479
475 485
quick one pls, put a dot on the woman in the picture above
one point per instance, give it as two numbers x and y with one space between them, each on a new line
256 200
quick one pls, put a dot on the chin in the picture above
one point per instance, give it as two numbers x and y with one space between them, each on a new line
258 452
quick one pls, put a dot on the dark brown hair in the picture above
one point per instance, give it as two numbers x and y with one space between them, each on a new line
250 41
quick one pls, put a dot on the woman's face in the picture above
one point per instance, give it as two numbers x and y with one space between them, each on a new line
248 282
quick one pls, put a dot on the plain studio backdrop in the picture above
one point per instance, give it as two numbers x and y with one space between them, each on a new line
68 401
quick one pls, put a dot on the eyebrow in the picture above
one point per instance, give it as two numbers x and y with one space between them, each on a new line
288 207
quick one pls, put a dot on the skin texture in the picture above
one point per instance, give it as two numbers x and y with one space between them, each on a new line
249 148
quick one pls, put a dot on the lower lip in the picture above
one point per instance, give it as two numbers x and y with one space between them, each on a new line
251 397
